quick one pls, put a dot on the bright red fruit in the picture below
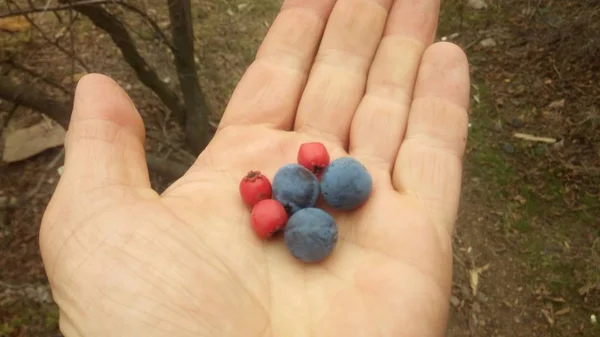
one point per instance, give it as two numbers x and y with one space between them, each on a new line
255 187
267 217
313 156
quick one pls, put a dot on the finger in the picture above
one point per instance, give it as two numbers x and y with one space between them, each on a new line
380 120
429 162
104 146
337 79
270 90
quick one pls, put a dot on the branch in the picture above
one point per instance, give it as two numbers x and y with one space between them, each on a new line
196 119
74 4
152 24
120 36
32 98
56 8
61 112
35 74
49 40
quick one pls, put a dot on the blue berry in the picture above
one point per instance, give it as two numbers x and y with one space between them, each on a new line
295 187
311 235
346 184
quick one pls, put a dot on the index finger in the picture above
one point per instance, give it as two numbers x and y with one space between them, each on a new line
271 88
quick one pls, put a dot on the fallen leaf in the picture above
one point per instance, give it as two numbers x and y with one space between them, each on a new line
13 24
455 301
563 311
548 317
24 143
76 77
557 104
474 280
477 4
489 42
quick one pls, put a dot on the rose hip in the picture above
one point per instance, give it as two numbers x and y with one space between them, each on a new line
255 187
267 217
313 156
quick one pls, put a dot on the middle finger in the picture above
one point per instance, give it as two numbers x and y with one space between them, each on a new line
337 80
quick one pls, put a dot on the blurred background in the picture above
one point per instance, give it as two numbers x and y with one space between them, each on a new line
527 244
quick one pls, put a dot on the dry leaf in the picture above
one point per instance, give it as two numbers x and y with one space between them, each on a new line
13 24
557 104
563 311
27 142
474 280
548 317
477 4
76 77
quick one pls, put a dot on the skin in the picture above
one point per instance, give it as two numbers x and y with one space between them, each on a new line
125 261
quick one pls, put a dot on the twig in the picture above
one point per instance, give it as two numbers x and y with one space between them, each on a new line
60 112
472 43
151 22
43 176
26 95
56 8
534 138
49 40
33 73
72 42
65 6
115 29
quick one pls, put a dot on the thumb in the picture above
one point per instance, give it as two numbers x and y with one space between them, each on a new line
104 145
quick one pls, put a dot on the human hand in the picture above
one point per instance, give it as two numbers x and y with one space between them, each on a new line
125 261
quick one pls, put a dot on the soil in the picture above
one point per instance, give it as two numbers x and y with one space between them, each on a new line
527 244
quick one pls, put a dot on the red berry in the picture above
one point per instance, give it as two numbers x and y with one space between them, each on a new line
267 217
255 187
313 156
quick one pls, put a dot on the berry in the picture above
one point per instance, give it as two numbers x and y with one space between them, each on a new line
311 235
267 217
295 187
346 184
255 187
314 157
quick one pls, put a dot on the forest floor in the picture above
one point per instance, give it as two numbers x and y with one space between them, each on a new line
527 244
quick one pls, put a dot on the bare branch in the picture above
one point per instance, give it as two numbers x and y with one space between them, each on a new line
106 21
152 24
60 7
61 112
73 4
49 40
34 99
196 125
35 74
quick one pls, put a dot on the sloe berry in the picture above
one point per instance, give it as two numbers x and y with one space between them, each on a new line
295 187
311 234
346 184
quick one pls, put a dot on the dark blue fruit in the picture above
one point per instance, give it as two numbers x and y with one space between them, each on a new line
311 234
295 187
346 184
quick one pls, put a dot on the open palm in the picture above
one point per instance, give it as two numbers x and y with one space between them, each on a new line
361 76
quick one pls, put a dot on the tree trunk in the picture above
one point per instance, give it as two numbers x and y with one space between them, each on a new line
196 110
